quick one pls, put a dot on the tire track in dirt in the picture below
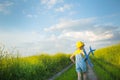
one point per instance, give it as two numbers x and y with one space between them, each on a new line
90 74
58 74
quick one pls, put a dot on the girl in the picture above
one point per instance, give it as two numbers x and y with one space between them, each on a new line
77 58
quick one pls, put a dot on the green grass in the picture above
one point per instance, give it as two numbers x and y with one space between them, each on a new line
39 67
106 65
102 75
110 54
70 74
107 62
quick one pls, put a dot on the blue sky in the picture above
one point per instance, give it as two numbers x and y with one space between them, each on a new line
50 26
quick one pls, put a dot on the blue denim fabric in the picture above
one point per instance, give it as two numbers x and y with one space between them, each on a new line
80 63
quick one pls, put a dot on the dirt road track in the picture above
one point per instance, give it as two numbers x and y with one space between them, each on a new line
90 74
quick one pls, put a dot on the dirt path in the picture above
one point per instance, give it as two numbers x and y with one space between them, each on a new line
91 75
58 74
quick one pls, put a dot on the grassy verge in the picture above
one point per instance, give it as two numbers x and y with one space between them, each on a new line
107 63
101 73
70 74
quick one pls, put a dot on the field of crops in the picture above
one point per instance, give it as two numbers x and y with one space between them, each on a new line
107 63
39 67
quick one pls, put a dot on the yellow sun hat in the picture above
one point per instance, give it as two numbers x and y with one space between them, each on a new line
79 44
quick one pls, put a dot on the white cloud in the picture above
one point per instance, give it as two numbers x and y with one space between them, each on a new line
25 42
94 37
4 6
31 16
85 30
70 31
50 3
20 37
30 43
71 24
86 35
63 8
72 13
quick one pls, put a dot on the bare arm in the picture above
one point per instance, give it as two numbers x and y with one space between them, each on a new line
72 57
82 53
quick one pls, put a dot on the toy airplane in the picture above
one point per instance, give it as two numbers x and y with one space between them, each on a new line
87 56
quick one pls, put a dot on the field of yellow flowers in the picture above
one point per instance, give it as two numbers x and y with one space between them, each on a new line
107 62
38 67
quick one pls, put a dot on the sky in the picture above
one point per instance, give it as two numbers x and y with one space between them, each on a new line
50 26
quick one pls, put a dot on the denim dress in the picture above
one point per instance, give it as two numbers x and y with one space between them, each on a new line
80 63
